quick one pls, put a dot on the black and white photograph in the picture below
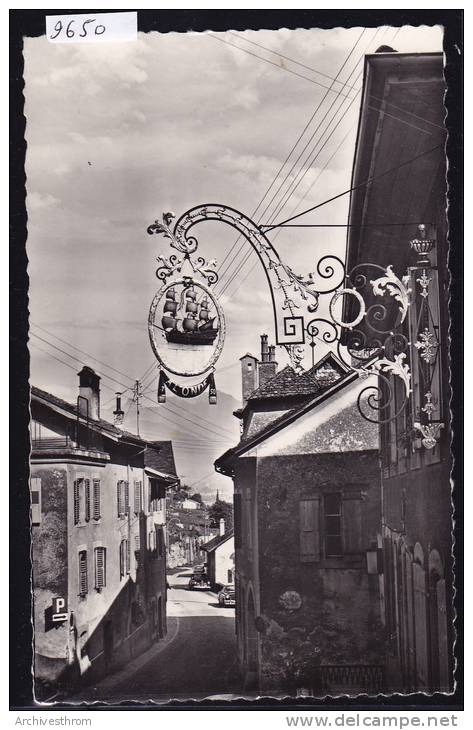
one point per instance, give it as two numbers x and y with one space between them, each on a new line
239 341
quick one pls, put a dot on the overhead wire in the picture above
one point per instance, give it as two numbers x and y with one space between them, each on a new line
308 142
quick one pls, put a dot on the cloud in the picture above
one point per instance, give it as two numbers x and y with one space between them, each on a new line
36 201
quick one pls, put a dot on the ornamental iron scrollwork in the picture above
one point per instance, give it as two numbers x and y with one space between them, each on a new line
374 302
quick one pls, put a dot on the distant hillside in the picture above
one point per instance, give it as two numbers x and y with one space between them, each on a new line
200 433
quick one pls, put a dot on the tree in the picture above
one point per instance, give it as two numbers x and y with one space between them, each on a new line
221 510
197 497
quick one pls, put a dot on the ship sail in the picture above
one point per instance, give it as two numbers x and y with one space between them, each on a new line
170 306
171 294
207 325
169 323
190 294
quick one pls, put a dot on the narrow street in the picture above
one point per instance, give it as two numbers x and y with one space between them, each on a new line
198 658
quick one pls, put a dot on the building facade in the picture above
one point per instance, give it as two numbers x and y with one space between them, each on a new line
307 509
401 128
98 516
220 554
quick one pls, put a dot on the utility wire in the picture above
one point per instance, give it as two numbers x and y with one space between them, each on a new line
314 114
355 187
277 65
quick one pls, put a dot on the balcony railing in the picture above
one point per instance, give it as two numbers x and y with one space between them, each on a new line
48 443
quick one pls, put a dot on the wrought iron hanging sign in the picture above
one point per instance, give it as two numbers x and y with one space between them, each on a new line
187 324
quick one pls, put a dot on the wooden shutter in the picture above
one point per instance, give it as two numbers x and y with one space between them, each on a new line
127 498
83 582
309 532
237 519
76 501
35 500
137 498
87 499
100 558
121 559
119 499
352 523
96 499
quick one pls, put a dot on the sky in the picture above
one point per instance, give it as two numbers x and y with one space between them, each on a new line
117 134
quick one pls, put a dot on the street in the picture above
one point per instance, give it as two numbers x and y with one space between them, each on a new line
198 658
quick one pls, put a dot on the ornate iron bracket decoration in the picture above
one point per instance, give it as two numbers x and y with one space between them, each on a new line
375 343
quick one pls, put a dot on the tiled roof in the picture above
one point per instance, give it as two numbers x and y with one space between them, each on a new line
287 383
216 541
159 454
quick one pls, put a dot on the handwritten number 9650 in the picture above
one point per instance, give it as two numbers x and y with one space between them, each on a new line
70 33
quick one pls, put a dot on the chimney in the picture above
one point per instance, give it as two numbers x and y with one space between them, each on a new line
264 348
222 527
89 393
249 376
268 366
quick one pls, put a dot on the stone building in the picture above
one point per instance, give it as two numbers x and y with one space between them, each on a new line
98 538
307 509
407 123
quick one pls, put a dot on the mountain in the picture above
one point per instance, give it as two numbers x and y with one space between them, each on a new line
200 433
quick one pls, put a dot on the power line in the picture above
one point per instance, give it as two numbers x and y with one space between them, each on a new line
69 344
355 187
287 58
314 114
277 65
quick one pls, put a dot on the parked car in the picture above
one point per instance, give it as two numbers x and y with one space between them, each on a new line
227 596
198 580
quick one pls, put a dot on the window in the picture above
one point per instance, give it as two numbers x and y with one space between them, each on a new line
35 500
83 579
100 554
124 558
122 498
333 525
137 500
96 499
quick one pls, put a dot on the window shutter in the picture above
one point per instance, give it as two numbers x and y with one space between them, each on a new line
352 523
100 559
119 499
122 559
87 499
237 519
127 498
309 532
127 556
137 498
76 501
96 498
35 500
83 582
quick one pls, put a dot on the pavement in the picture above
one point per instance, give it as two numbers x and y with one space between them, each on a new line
196 659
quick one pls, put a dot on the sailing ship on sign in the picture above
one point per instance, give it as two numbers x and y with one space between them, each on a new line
187 321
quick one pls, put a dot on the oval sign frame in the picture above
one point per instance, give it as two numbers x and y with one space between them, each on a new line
151 326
